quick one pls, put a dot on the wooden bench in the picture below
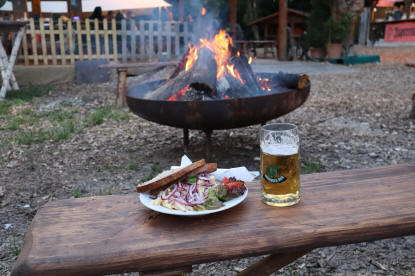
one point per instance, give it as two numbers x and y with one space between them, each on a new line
247 45
122 69
116 234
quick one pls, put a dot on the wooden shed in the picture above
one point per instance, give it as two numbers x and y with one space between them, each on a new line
296 20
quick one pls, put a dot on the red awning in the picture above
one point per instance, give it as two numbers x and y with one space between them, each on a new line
387 3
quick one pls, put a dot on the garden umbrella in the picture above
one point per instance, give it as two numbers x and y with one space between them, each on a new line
108 5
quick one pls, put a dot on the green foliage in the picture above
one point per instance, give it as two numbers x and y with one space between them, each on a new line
336 30
320 13
28 93
310 167
76 193
14 248
30 137
155 170
133 167
62 132
101 114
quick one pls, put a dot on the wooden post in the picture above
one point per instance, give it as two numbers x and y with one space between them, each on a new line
282 30
407 11
19 8
36 7
232 15
181 11
121 99
75 8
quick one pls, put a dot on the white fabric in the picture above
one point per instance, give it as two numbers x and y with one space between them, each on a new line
108 5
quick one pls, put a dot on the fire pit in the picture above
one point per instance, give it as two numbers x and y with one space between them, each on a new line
213 87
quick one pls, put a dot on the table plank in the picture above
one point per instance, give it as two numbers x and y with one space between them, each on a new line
114 234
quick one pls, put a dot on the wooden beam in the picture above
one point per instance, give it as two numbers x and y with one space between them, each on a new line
282 30
232 15
19 8
272 263
36 10
75 8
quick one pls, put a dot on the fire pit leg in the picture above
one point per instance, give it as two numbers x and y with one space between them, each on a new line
185 140
208 143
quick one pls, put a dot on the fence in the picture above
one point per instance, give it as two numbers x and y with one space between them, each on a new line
48 41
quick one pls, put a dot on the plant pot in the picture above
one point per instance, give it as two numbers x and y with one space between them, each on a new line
317 52
334 50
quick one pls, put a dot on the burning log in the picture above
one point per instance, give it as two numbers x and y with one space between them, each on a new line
201 76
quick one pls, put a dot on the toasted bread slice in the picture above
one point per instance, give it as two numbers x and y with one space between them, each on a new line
168 177
208 168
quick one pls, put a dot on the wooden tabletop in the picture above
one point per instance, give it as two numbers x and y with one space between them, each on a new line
114 234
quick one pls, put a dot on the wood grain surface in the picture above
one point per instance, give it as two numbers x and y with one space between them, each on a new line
114 234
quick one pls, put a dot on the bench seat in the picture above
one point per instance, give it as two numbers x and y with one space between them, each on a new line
116 234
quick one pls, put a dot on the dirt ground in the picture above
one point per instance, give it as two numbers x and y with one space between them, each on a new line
71 142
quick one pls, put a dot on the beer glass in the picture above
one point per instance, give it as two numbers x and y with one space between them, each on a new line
280 164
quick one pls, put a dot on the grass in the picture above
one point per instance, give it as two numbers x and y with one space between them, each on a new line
77 193
105 113
14 248
155 170
31 137
133 167
28 93
62 132
310 167
103 192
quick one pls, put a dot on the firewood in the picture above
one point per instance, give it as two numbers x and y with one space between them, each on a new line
202 76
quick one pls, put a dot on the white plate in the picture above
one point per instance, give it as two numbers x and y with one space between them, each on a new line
146 201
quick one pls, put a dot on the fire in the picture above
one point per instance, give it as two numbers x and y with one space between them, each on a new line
220 46
263 83
234 72
250 60
191 58
203 11
181 92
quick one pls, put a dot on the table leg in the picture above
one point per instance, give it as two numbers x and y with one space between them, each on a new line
9 69
272 263
121 100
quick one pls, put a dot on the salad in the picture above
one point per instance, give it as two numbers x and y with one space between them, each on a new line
198 193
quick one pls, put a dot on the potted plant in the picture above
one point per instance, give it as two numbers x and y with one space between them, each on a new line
315 37
336 31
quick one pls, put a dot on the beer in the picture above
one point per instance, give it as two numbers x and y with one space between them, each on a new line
280 165
280 168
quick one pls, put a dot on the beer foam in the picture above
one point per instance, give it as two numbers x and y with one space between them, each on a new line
280 149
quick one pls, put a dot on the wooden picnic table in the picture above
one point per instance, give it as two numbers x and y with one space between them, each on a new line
115 234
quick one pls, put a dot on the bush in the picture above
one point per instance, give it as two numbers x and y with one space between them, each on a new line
320 13
337 30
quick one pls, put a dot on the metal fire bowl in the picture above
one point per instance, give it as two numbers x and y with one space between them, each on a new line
217 114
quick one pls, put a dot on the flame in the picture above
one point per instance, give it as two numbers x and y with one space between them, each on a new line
250 60
191 58
203 11
220 46
234 72
181 92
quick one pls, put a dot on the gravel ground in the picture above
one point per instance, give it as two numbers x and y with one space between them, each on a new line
350 121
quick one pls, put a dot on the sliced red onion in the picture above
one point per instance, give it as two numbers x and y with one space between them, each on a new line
164 196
